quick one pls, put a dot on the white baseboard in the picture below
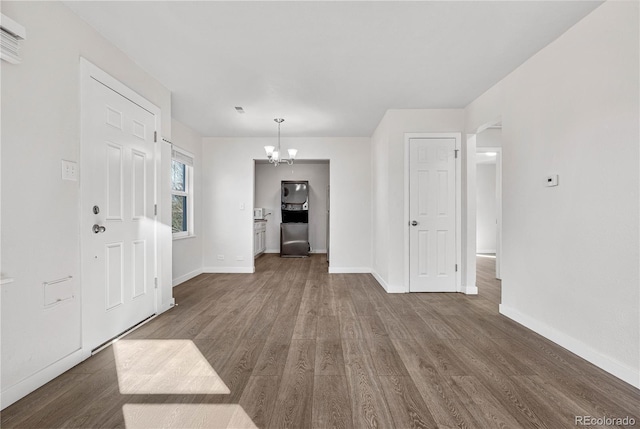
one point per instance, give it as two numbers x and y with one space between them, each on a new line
312 251
166 306
40 378
188 276
349 270
380 280
489 251
229 270
384 284
470 290
622 371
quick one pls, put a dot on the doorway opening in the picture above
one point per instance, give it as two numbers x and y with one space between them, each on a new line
267 196
489 198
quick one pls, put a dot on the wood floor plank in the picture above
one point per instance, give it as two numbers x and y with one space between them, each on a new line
329 359
239 368
259 398
500 386
331 403
295 396
307 320
272 359
384 355
446 406
327 304
328 327
487 407
368 406
405 403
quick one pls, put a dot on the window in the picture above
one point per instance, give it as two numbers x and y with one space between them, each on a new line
181 193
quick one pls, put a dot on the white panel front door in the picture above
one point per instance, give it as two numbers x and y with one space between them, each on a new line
118 221
432 211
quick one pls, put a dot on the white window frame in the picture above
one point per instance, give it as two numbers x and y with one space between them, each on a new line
185 158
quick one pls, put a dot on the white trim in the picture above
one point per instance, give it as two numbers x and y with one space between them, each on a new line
312 251
182 156
380 280
186 277
407 256
229 270
622 371
470 210
349 270
27 385
182 237
470 290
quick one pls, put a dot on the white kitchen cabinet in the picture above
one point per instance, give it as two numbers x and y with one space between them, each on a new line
259 237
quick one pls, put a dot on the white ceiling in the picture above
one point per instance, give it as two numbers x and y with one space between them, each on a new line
330 68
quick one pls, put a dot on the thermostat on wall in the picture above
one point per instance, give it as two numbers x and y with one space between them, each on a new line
552 180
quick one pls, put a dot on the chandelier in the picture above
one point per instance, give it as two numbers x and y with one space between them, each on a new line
274 153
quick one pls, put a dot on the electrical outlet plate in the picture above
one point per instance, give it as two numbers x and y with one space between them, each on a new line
69 170
552 180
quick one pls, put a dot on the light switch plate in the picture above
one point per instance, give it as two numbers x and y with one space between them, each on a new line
69 170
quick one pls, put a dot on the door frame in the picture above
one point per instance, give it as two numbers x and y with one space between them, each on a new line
498 196
89 72
406 217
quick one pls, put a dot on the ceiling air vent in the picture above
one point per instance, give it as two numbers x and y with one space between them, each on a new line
11 33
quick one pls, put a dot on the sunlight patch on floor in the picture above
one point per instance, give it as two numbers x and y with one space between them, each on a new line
186 416
164 367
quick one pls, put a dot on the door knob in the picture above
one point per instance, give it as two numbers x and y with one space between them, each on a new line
97 229
414 222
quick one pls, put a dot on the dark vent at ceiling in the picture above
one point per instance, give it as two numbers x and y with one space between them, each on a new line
239 109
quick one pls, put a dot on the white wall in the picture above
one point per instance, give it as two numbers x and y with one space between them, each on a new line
573 110
267 194
388 186
491 137
187 252
486 208
40 212
228 196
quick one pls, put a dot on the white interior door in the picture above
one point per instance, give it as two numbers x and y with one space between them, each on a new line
117 219
432 211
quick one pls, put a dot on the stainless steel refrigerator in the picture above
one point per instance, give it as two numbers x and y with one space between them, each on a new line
294 229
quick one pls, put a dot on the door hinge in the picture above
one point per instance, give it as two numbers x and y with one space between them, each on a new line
155 282
155 210
155 137
456 152
456 268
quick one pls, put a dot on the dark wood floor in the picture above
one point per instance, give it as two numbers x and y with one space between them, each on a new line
299 348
